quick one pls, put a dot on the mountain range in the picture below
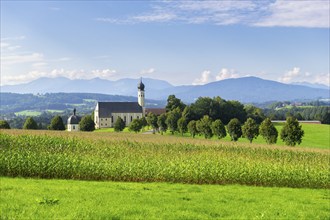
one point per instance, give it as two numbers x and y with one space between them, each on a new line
245 89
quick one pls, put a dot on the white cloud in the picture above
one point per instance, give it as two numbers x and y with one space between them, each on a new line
17 58
226 74
104 74
290 76
297 14
206 77
71 74
248 12
147 71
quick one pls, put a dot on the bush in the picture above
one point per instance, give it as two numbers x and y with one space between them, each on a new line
30 123
87 123
234 129
135 125
4 124
268 131
57 124
292 133
119 124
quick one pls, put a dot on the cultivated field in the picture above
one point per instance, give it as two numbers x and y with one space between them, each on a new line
128 157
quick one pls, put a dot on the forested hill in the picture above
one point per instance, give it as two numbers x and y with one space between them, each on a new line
84 102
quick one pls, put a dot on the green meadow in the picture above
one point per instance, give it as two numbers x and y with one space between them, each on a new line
69 199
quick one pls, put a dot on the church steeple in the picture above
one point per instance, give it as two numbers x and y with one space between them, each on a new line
141 93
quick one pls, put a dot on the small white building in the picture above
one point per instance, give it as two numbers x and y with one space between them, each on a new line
73 122
107 113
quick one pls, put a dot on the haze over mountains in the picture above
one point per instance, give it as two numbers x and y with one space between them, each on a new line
246 89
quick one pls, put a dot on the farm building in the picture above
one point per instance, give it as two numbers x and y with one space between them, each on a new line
107 113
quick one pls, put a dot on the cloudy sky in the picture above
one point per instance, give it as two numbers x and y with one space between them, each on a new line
183 42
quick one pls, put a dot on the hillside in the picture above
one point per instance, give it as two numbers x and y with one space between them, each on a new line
246 89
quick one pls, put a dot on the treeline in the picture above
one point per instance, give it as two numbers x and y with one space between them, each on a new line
319 113
217 117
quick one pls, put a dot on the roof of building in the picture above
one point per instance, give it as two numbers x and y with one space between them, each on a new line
141 85
106 108
74 119
156 111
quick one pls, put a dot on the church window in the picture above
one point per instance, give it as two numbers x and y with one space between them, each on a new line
124 118
73 127
112 119
131 118
137 117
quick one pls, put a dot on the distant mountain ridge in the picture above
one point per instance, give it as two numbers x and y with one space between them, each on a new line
246 89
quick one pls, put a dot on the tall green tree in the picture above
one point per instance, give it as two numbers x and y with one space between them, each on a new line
30 123
152 121
234 129
182 125
192 128
57 124
250 129
292 132
204 126
135 125
161 122
119 124
218 129
173 103
172 120
268 131
4 124
87 123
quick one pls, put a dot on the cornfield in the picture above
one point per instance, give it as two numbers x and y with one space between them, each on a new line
150 158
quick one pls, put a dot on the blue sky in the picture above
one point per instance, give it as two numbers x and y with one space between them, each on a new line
183 42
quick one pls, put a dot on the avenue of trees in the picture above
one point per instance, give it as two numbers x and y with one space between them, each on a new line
217 117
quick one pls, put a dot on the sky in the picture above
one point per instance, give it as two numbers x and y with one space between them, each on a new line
182 42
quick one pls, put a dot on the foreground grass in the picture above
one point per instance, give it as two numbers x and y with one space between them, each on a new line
149 158
67 199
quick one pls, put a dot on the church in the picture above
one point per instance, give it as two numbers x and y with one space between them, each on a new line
107 113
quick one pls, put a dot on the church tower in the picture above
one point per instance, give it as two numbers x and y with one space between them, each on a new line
141 93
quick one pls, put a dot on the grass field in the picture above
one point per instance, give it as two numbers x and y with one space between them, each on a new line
28 113
316 136
68 199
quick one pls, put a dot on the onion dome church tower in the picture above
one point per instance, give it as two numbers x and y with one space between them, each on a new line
141 93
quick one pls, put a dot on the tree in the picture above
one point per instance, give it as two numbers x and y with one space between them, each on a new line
255 113
250 129
292 133
152 121
204 126
57 124
4 124
87 123
234 129
30 123
135 125
218 129
182 125
192 128
173 103
119 124
172 120
268 131
144 122
161 122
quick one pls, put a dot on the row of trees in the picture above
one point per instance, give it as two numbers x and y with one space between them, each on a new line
85 124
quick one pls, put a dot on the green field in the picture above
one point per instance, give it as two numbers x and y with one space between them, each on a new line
316 136
28 113
68 199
